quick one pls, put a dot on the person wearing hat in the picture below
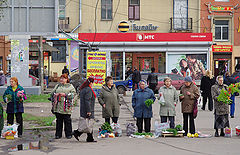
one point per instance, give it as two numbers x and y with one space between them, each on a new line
189 95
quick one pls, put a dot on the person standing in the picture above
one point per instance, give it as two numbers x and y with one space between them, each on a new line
221 110
109 100
136 78
2 78
228 80
152 81
14 97
45 72
141 111
63 95
129 72
167 109
207 82
189 95
87 104
65 70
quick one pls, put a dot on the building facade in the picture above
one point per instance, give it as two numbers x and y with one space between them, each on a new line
5 59
221 18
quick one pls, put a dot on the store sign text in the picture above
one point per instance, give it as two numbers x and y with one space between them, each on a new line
214 8
142 37
148 27
222 48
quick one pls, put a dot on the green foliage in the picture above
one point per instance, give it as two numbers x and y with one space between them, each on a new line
148 102
43 98
179 127
143 134
174 131
106 126
224 97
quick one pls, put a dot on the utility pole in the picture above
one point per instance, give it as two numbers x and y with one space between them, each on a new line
41 64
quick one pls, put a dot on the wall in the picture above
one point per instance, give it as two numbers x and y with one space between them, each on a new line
56 67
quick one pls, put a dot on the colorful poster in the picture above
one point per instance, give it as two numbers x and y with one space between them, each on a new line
193 65
96 67
74 56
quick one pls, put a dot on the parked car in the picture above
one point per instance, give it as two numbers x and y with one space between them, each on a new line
177 81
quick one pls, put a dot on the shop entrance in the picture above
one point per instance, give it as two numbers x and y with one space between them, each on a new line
221 66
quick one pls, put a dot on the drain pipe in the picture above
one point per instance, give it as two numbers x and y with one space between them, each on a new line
80 17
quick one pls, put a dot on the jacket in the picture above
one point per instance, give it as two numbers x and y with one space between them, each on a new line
110 98
219 107
87 102
63 98
170 96
136 76
229 80
16 103
189 100
138 103
152 78
206 84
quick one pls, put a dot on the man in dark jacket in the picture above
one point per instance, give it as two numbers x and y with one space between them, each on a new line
152 81
136 78
65 70
129 72
228 80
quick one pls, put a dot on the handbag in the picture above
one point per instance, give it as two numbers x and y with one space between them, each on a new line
195 109
85 125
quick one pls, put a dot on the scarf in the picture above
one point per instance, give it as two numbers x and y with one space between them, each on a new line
93 91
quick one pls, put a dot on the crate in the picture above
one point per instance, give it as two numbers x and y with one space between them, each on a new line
170 134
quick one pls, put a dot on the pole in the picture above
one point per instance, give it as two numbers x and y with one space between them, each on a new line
41 65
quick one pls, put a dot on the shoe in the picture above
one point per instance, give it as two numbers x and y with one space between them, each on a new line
69 137
19 136
91 141
77 134
232 116
57 137
216 134
203 108
222 134
90 138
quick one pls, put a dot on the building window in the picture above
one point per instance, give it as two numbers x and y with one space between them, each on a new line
134 10
62 9
117 65
106 9
61 55
221 30
180 14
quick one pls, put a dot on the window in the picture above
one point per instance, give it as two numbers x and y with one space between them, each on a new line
134 10
180 14
221 30
61 55
106 9
62 9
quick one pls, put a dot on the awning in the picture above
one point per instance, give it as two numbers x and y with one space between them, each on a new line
34 47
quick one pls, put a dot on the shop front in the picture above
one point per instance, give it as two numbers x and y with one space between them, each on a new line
163 51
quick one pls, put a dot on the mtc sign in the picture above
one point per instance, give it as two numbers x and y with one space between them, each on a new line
142 37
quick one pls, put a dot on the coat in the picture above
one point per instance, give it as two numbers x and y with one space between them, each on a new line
110 98
171 98
219 107
136 77
15 105
206 84
189 100
87 102
229 80
138 103
63 104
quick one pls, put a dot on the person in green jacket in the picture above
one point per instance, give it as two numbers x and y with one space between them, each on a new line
14 97
109 100
63 95
167 107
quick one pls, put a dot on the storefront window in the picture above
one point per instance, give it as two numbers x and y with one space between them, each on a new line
162 63
117 66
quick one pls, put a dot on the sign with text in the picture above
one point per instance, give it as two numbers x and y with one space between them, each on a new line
222 48
96 67
219 8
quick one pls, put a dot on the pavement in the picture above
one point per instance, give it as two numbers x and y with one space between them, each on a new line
125 145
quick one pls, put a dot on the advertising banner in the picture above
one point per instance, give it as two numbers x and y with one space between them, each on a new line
74 56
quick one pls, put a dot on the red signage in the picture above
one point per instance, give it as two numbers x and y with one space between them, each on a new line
144 37
222 48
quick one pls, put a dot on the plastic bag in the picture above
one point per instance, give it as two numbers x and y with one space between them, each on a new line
228 132
159 127
117 131
238 130
131 128
10 131
161 99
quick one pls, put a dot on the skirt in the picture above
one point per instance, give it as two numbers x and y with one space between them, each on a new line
221 121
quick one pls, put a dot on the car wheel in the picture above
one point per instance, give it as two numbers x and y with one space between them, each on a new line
121 90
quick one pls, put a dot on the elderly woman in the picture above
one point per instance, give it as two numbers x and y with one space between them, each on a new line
14 97
109 100
189 95
167 108
63 95
221 110
87 103
141 111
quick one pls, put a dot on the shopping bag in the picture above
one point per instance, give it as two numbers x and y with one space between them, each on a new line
10 131
159 127
228 132
195 109
85 125
117 131
131 128
162 100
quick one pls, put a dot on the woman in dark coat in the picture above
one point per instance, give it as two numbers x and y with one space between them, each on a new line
87 103
14 97
206 84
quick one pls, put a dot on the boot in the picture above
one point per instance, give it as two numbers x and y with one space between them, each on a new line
216 133
222 133
77 134
90 138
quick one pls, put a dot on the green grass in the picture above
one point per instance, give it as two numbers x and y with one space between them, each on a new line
42 121
35 98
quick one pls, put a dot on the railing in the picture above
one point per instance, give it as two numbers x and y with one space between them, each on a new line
180 24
